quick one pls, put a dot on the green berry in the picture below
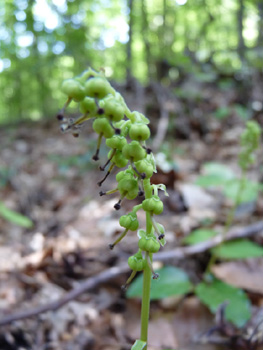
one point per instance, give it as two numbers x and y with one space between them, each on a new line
102 126
145 166
149 243
112 109
129 221
120 99
73 89
124 126
128 187
251 136
87 74
137 117
88 106
153 205
136 262
118 159
128 173
250 140
139 132
98 87
116 142
134 151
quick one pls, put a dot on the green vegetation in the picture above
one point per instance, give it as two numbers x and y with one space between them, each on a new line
172 282
213 292
125 133
14 217
44 42
181 45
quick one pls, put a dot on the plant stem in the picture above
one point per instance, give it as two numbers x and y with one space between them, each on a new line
145 309
230 217
147 274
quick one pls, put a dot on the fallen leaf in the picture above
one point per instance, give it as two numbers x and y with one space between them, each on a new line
246 274
196 197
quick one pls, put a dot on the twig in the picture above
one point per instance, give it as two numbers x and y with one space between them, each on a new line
178 253
216 340
73 294
183 252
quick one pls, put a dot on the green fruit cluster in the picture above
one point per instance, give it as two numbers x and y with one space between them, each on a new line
250 140
125 134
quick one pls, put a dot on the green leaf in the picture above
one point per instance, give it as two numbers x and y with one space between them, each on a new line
14 217
218 169
216 174
214 294
171 281
200 235
242 111
139 345
222 113
249 193
209 180
239 249
5 175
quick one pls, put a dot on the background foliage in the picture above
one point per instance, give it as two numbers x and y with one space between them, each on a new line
43 42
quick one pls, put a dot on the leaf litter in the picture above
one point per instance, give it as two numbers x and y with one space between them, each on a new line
51 182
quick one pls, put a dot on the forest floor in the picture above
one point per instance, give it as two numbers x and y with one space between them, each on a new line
51 179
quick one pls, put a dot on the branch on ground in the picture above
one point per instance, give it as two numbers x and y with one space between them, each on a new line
109 274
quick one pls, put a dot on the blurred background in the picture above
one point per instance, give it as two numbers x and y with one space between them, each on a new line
195 68
168 41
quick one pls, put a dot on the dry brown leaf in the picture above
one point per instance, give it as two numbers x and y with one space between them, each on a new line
176 328
245 274
161 334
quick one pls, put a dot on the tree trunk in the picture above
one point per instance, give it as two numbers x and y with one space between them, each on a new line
164 27
241 42
168 29
260 24
129 44
147 46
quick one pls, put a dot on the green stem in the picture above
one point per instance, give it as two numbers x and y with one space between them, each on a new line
147 274
145 309
230 217
136 208
111 246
